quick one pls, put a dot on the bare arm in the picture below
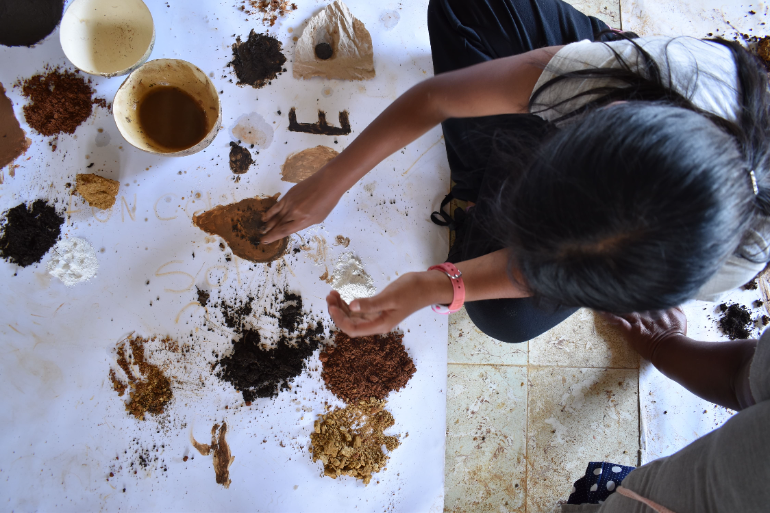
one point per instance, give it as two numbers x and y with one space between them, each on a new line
485 277
502 86
714 371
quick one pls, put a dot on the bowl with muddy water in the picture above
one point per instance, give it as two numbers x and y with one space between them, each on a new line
107 37
168 107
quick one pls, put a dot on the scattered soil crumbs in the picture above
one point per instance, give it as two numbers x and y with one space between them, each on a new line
752 285
222 456
260 371
59 101
240 159
735 321
29 233
149 389
359 368
349 441
203 296
322 127
98 191
270 10
258 60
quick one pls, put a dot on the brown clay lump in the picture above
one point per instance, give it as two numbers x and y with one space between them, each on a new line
240 225
98 191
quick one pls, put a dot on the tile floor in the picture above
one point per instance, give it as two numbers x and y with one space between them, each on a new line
523 420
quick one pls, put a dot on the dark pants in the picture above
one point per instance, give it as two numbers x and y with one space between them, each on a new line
468 32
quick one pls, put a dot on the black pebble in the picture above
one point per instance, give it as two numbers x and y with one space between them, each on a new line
323 51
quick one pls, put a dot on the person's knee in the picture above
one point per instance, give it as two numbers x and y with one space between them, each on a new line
498 326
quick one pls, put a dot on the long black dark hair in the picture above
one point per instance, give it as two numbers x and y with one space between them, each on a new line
636 206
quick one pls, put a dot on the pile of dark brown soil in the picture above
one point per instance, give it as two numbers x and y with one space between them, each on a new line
29 233
240 159
258 60
260 371
59 101
736 321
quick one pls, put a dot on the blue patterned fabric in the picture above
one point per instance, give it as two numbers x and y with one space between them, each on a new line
599 482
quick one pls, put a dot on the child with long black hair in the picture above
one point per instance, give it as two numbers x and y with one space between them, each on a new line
607 172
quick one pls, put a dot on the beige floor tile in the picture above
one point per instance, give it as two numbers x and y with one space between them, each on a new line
576 416
467 344
583 340
485 443
605 10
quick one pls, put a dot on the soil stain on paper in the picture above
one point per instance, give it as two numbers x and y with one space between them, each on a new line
321 127
223 458
304 164
13 140
258 60
240 225
252 129
149 389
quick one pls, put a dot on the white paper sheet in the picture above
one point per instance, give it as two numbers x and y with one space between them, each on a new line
63 427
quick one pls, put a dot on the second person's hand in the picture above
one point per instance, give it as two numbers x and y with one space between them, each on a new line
307 203
383 312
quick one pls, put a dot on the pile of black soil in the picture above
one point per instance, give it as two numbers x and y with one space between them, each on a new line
290 314
24 23
257 370
736 321
29 233
240 159
258 60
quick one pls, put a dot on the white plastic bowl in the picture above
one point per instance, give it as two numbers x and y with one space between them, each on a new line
107 37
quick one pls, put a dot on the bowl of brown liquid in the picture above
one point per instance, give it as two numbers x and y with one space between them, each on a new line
168 107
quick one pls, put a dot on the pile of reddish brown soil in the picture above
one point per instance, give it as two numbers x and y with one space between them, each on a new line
29 232
150 390
260 371
59 101
736 321
365 367
258 60
349 440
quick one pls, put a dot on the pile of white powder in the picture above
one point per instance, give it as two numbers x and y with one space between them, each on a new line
73 261
350 279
